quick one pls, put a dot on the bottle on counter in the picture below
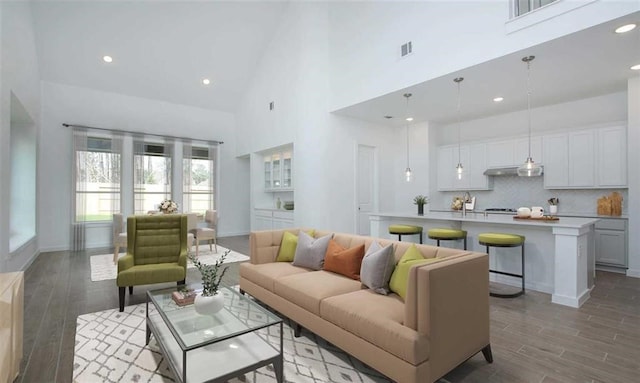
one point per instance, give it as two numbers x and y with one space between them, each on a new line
278 203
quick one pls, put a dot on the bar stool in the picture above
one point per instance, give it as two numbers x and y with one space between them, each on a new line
401 230
446 234
504 240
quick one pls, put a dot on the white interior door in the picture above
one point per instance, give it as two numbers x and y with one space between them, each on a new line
365 188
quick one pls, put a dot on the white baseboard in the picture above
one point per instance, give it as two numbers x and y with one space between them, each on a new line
54 248
633 273
233 234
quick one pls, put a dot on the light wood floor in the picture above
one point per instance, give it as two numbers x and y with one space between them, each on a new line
532 339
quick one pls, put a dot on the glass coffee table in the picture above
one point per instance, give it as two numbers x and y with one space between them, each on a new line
213 348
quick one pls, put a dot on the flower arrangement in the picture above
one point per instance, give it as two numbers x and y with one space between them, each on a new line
456 203
420 200
210 278
554 201
168 206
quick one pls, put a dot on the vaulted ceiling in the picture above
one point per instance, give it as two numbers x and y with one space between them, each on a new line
163 50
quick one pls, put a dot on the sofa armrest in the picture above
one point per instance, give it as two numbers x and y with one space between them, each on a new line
452 308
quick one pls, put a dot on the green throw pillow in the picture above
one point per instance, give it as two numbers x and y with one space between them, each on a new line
288 246
400 276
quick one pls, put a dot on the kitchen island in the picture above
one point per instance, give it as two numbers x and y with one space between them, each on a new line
559 255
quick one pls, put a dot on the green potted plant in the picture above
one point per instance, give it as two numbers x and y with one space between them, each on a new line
210 300
420 200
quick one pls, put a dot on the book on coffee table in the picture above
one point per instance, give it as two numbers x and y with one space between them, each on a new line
183 298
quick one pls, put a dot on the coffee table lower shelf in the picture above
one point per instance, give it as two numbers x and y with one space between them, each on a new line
217 362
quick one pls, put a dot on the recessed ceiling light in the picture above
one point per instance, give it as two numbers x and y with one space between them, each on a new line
498 99
636 67
206 81
409 119
107 59
625 28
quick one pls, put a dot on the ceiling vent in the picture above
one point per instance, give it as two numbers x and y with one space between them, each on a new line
405 49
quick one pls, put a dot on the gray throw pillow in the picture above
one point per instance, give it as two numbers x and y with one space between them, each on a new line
377 266
310 251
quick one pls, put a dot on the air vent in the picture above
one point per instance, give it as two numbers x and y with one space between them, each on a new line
405 49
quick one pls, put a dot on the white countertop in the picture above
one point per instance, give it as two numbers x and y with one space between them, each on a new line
560 214
568 222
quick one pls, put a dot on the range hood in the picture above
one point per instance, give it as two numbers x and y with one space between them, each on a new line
506 171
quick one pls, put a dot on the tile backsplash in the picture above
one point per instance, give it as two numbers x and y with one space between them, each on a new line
514 191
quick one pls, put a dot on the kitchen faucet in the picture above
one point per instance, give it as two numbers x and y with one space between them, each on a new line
465 198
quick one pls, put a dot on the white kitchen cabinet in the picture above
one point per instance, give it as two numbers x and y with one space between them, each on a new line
611 242
612 157
473 159
282 220
585 159
555 158
582 157
278 170
263 220
522 150
501 154
268 219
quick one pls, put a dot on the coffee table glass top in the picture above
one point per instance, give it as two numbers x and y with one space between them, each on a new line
240 315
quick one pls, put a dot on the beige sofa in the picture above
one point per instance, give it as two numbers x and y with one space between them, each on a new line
443 322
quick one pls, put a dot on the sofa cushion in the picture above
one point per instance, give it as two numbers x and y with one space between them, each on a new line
309 289
265 274
379 320
310 251
377 266
344 261
400 276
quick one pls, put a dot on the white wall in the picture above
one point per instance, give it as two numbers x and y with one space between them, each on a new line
18 75
294 73
365 39
633 176
74 105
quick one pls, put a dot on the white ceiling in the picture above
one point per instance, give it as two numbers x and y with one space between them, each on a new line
163 50
589 63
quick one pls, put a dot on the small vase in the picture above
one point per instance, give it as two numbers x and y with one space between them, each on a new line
420 209
553 209
209 305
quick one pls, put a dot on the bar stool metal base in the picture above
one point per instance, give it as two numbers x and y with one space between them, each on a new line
521 275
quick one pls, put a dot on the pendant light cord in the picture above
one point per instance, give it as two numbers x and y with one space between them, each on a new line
407 95
529 98
458 81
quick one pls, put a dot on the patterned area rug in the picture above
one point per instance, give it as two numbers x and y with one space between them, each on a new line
110 348
103 268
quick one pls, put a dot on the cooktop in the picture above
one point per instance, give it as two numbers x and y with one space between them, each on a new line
505 209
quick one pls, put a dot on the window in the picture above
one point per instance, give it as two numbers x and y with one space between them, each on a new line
199 164
97 177
151 175
525 6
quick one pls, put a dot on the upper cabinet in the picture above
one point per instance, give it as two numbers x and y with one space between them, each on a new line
592 158
278 170
512 152
473 159
612 154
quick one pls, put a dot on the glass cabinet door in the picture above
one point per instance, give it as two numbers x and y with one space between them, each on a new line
275 171
286 170
267 173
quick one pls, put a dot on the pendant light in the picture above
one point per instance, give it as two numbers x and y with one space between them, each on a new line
407 172
529 168
459 168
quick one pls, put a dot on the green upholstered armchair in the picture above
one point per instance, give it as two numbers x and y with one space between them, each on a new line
156 252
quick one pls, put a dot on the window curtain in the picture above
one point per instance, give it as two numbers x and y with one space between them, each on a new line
96 171
199 164
152 177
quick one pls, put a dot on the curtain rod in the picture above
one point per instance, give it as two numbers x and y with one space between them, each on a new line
138 133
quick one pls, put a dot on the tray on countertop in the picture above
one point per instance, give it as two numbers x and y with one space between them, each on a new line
543 218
